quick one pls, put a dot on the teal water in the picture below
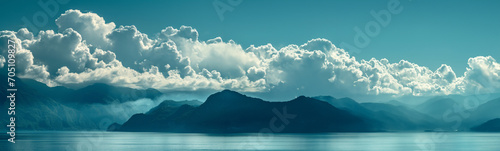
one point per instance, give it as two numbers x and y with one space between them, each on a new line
145 141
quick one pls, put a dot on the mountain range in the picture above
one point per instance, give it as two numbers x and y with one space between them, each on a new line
231 112
59 108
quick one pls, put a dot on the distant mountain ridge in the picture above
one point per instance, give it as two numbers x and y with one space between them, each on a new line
61 108
436 107
231 112
384 116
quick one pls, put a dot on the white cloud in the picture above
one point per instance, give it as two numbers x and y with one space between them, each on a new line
91 26
255 73
228 58
88 50
186 32
301 71
105 56
166 54
25 66
2 61
318 44
129 44
483 73
61 49
318 67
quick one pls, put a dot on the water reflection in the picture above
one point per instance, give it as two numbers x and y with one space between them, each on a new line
124 141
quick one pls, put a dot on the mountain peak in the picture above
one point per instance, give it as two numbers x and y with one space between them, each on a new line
348 99
228 91
98 85
226 97
301 97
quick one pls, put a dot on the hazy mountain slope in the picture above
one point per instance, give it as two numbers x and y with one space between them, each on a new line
483 113
402 117
39 107
37 111
346 104
95 93
383 116
436 107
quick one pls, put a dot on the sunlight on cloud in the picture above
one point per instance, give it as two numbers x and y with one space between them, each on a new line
87 50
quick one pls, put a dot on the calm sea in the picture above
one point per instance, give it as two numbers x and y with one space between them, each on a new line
146 141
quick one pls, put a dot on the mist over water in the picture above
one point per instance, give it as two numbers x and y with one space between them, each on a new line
120 112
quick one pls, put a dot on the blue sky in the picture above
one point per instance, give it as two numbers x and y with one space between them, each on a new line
429 33
186 58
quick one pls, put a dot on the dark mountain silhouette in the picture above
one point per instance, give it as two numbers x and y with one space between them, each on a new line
229 112
168 110
172 105
489 126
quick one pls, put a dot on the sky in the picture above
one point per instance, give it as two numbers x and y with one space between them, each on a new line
421 34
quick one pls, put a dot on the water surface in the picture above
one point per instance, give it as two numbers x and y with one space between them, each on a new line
142 141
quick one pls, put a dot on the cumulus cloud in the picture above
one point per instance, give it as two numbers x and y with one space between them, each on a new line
186 32
483 72
25 65
91 26
318 67
60 49
255 73
87 49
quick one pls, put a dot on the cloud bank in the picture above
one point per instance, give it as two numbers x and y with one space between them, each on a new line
86 49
